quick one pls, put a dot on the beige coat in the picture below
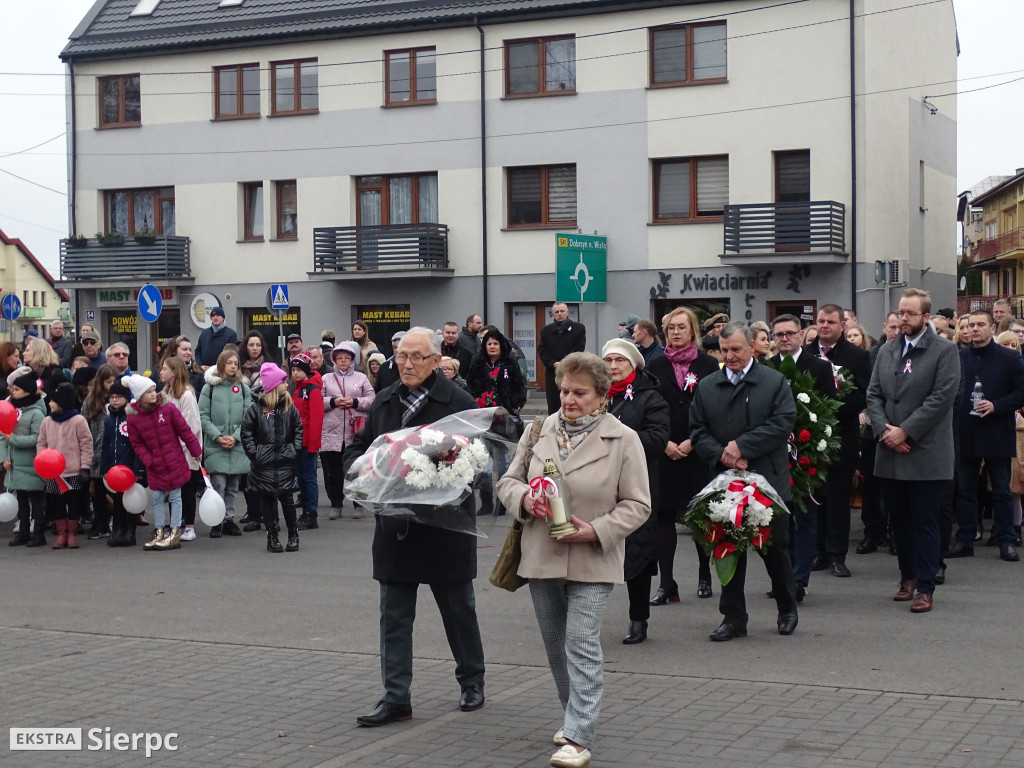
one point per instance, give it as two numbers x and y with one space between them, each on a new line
608 486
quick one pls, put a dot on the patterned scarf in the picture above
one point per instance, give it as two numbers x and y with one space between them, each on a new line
414 402
572 432
681 359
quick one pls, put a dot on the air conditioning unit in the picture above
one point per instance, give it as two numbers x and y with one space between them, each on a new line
898 269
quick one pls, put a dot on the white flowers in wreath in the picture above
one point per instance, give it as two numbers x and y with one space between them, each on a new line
452 469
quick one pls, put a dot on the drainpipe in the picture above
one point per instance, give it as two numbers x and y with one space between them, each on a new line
72 181
483 168
853 163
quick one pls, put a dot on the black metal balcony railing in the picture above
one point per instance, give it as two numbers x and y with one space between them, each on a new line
380 247
161 256
785 227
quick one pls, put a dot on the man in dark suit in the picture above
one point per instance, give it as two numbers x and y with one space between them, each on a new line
407 554
804 527
910 404
834 515
741 418
451 347
987 431
557 340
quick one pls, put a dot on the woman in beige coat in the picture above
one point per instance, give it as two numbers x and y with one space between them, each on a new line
571 577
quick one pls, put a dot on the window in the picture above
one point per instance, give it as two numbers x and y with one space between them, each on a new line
44 298
131 211
688 189
539 67
120 101
237 91
253 211
287 211
410 76
35 298
407 199
688 53
293 87
145 8
541 196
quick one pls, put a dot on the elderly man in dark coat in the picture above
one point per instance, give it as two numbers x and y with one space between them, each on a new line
741 418
407 554
910 405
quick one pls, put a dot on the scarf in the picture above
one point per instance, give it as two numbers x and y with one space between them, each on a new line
64 415
681 359
415 399
618 387
26 401
571 432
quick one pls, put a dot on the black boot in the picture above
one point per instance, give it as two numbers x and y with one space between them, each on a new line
38 535
273 543
637 633
115 537
293 541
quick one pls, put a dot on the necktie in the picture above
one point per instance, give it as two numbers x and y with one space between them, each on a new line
825 351
737 378
910 346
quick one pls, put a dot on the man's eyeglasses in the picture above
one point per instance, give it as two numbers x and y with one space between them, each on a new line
785 334
117 354
417 359
903 313
449 369
89 342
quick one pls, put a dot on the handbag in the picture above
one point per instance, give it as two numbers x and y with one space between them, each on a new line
505 574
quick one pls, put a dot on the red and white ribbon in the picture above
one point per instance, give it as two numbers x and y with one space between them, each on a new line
540 488
740 495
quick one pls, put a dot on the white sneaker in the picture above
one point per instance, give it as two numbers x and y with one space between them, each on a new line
188 534
357 513
334 514
559 738
17 527
568 757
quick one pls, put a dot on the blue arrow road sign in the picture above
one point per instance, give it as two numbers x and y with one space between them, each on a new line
151 303
279 296
11 307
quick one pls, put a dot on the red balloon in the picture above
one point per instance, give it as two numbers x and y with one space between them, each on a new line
120 478
49 463
8 417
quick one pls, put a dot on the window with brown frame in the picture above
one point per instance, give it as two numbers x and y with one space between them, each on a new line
400 199
684 54
236 91
252 213
131 211
543 66
541 196
120 101
287 210
410 76
293 87
690 188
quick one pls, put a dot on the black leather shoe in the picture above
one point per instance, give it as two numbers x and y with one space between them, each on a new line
787 622
306 522
637 633
472 698
960 550
867 546
940 575
727 631
229 528
661 597
839 569
252 525
384 714
801 592
215 532
1008 553
704 589
820 563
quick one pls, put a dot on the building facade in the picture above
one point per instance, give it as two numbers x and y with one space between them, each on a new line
415 166
995 232
39 301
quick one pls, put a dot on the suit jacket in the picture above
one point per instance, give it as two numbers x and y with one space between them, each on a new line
554 346
405 551
919 399
824 381
1001 373
609 488
758 413
858 362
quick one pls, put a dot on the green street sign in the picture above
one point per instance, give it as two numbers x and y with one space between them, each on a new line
581 268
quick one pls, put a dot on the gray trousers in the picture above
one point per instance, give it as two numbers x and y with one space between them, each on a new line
569 614
227 487
457 604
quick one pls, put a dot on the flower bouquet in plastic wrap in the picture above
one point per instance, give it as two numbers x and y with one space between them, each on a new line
427 473
732 514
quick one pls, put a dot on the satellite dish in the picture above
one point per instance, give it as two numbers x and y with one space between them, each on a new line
963 282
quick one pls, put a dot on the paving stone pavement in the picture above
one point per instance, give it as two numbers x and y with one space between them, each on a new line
265 661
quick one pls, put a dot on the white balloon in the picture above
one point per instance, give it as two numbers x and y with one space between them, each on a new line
135 499
8 507
211 508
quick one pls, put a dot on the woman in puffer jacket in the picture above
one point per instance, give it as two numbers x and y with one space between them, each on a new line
348 395
18 452
272 439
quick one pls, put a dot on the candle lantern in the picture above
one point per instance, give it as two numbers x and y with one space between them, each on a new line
558 502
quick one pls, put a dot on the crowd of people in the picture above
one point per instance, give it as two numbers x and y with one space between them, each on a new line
929 428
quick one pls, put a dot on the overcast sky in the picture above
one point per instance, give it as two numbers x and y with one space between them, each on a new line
32 109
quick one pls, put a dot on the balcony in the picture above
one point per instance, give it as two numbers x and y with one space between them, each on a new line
380 250
1009 245
965 304
783 233
163 256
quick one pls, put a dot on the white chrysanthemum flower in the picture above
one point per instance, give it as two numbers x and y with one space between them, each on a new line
822 445
803 397
431 436
719 510
828 431
813 417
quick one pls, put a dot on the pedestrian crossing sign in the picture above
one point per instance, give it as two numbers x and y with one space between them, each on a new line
279 296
